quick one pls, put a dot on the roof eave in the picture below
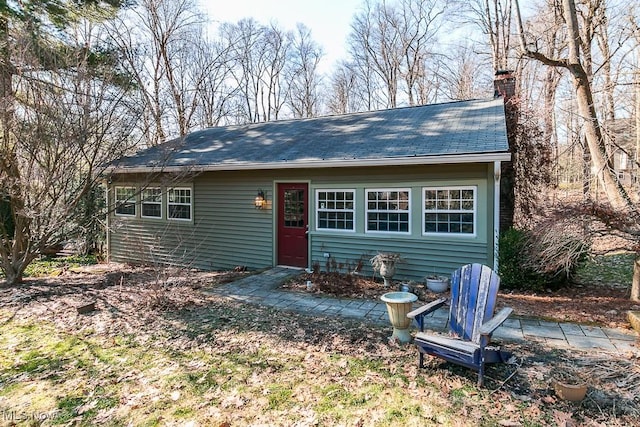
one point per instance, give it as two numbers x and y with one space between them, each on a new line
341 163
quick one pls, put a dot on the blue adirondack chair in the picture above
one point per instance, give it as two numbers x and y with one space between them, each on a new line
474 288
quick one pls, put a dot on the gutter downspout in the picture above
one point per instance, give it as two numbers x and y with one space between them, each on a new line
496 212
107 222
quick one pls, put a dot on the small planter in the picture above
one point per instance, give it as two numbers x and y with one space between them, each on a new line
571 392
437 284
404 287
569 386
399 304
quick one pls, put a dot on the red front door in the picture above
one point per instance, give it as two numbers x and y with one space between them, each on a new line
292 225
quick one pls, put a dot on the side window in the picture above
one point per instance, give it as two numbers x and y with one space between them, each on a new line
125 198
151 202
449 210
179 204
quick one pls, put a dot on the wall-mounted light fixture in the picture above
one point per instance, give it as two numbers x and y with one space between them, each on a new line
260 201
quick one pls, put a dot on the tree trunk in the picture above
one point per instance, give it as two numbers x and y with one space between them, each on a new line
635 284
616 195
635 165
13 276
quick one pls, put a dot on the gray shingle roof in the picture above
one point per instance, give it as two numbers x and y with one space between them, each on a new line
448 129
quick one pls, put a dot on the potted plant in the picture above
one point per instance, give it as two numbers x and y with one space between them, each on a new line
385 264
437 284
569 386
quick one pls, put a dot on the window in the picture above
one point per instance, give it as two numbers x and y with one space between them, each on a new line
294 208
335 210
126 201
151 202
450 210
388 210
179 204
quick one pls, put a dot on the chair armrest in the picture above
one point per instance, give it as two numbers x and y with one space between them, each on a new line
428 308
495 321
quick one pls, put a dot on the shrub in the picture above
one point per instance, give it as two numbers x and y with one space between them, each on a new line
512 265
546 257
556 250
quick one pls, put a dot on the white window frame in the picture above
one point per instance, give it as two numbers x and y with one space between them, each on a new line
474 212
320 208
170 203
121 202
388 211
144 202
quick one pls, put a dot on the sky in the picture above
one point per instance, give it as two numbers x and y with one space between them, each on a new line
329 20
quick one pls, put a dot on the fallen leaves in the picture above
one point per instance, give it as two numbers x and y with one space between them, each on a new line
227 361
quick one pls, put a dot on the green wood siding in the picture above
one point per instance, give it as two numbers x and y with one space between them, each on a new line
227 230
421 258
423 254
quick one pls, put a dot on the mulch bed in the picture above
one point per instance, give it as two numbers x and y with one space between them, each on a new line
596 304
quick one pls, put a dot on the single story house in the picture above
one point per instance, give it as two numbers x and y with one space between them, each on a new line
327 192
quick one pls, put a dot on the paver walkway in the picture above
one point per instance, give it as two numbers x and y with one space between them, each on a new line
264 289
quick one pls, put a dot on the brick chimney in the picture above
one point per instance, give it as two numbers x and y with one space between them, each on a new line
504 85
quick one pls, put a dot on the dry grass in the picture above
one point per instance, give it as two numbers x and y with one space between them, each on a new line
159 352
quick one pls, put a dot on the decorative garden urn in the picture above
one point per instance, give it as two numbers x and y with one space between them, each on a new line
387 270
399 304
385 264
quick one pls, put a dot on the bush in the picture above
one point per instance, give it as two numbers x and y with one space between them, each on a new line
512 265
556 250
546 257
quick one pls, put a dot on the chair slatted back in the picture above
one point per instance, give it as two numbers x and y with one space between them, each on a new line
474 289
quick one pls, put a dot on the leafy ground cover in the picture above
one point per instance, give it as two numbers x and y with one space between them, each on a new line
158 351
53 266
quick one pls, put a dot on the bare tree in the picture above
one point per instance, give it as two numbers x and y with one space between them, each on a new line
539 84
394 42
464 74
421 21
162 40
376 34
635 30
494 18
623 213
302 74
216 93
344 95
68 116
275 45
574 64
258 57
367 82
